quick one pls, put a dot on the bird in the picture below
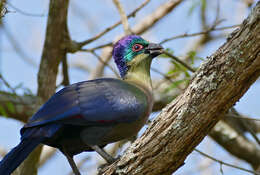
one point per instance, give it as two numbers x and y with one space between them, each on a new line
88 115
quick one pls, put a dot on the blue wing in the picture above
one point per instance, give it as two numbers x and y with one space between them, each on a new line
93 102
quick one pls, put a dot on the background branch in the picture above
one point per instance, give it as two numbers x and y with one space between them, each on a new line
227 164
132 14
141 27
123 17
53 52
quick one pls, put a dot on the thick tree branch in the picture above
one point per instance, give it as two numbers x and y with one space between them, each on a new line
54 48
236 143
215 87
53 52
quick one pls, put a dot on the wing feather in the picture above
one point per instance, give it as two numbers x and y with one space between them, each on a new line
93 102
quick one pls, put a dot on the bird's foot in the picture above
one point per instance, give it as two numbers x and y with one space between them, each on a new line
102 167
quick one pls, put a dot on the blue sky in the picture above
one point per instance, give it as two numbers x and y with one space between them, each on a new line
29 32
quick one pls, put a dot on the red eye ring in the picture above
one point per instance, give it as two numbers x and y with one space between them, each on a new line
137 47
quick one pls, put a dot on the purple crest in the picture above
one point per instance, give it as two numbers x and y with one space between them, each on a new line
120 50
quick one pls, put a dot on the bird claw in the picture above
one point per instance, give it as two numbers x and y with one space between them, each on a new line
102 168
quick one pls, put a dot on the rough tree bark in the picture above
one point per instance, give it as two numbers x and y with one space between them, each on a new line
215 87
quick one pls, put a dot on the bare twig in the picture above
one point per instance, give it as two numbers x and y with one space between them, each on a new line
245 118
236 143
13 90
65 72
97 47
23 106
106 55
145 24
17 47
105 63
132 14
24 12
227 164
179 61
7 84
123 16
197 33
246 126
153 18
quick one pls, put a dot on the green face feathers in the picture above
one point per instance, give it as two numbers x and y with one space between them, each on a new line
126 49
130 47
135 48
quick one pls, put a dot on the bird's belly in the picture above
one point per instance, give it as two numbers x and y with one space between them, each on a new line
102 135
79 139
123 131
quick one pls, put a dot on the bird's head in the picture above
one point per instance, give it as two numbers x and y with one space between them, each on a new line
132 53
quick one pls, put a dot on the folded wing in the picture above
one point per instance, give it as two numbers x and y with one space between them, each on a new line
95 102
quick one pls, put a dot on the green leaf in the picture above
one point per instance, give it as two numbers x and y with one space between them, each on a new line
168 50
200 58
2 111
170 72
179 66
192 56
10 107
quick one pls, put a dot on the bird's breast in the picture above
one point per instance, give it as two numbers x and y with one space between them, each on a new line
128 129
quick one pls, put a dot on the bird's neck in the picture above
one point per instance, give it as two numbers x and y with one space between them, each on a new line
140 74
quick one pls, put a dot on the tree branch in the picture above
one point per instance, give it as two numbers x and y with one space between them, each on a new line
236 143
123 17
227 164
132 14
3 9
154 17
54 50
215 87
22 107
148 22
185 35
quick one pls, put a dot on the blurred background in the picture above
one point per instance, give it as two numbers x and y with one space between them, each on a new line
191 30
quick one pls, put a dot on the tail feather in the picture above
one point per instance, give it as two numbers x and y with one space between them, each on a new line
17 155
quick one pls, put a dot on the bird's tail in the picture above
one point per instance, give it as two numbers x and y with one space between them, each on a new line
16 156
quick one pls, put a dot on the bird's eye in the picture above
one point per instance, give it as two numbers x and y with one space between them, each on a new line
137 47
